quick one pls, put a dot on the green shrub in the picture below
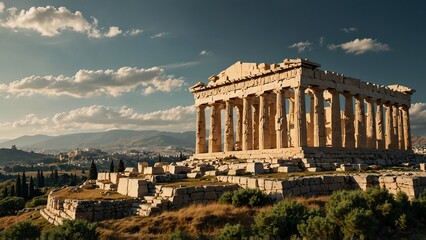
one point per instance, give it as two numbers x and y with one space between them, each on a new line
419 207
226 197
37 201
281 221
343 202
245 197
360 224
317 227
72 230
20 231
11 205
232 232
179 236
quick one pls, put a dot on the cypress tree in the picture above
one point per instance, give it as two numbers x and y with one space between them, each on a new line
75 179
38 179
111 166
42 184
12 191
93 172
159 157
31 188
120 166
181 156
56 177
5 192
24 188
18 186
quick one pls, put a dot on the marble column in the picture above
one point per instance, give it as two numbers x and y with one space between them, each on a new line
239 131
360 130
319 121
310 126
215 138
299 117
263 122
255 126
291 121
349 121
281 120
371 125
380 133
389 127
407 130
336 122
200 145
272 109
247 138
395 126
229 127
401 145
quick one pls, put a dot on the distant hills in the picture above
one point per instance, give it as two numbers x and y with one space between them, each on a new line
418 140
110 140
13 156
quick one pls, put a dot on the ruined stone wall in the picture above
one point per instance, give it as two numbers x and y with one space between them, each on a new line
57 210
412 185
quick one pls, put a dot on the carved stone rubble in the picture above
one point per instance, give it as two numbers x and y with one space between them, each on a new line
292 108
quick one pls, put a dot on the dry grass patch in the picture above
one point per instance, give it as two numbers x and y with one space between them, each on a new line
33 216
88 194
196 220
302 174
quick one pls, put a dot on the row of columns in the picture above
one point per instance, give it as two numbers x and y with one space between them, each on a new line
263 124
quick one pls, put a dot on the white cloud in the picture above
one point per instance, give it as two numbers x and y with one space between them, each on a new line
88 83
113 32
180 65
321 41
160 35
51 21
302 46
100 118
359 46
348 30
205 53
134 32
2 7
418 119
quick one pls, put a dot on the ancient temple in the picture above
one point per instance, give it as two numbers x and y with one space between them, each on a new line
294 109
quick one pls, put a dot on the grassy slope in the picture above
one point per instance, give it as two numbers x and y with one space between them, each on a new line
33 216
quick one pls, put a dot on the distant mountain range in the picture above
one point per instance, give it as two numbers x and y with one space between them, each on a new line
110 140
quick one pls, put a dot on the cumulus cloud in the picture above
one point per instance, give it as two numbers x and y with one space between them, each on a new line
50 21
1 7
113 31
302 46
160 35
418 119
88 83
100 117
348 30
359 46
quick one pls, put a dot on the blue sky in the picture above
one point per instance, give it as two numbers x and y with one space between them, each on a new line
74 66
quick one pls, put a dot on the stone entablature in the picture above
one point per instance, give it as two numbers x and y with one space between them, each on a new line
271 110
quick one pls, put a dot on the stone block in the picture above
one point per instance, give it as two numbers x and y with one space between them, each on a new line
313 169
153 170
423 167
123 186
255 167
178 169
346 167
141 166
212 173
360 166
252 183
288 169
167 191
236 172
137 187
193 175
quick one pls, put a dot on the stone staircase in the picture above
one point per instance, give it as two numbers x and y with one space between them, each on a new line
152 203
